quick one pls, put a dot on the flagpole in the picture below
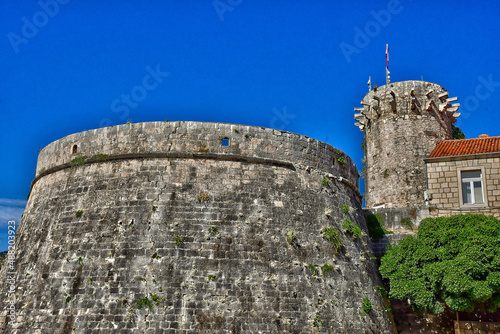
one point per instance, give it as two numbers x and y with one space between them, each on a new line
387 73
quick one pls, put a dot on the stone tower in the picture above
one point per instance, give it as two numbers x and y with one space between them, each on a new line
189 227
402 122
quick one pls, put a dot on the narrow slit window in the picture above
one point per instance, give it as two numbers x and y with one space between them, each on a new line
225 142
75 149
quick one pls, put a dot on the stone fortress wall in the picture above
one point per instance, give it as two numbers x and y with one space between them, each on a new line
162 229
197 139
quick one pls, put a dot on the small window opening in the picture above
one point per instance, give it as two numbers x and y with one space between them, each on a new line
75 148
225 142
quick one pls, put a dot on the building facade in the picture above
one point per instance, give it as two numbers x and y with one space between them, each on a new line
464 177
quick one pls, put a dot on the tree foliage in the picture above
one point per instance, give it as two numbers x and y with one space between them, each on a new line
453 262
457 132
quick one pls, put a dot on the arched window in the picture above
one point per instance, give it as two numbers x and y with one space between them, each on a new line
75 149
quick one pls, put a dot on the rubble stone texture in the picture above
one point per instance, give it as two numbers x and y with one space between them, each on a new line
402 122
160 228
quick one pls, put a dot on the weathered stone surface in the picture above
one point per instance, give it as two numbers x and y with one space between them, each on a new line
205 240
402 123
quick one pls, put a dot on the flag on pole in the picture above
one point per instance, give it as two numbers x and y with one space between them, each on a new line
387 56
387 73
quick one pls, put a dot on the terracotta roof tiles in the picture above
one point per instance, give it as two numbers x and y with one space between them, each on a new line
455 147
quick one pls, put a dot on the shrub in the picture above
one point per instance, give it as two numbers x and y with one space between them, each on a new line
78 161
351 228
333 235
345 209
326 268
203 197
79 213
100 157
317 321
144 301
156 299
290 236
457 132
341 160
453 262
366 305
313 268
179 239
325 181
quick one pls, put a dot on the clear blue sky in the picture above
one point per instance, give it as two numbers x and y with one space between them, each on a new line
301 66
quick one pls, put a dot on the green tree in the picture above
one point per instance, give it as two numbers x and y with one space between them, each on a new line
453 262
457 132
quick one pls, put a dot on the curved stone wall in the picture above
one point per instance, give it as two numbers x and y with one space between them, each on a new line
177 244
198 138
402 123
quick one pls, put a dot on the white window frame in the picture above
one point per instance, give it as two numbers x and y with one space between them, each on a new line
483 186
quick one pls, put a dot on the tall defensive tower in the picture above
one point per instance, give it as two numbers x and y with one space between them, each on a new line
402 122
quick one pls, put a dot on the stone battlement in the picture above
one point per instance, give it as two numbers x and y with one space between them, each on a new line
183 139
409 97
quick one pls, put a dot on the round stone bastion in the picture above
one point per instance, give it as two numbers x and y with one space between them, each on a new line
192 227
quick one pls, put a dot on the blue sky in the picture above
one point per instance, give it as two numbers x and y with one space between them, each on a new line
300 66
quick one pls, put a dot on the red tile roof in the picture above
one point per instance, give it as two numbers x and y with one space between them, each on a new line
448 148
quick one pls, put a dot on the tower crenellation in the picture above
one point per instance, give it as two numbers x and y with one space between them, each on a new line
402 122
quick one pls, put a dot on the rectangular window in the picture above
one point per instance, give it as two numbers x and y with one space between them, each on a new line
472 187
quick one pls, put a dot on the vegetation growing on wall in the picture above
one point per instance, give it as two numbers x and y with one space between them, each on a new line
100 157
345 209
333 235
352 229
325 181
453 262
290 236
203 197
78 161
366 305
179 239
375 223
